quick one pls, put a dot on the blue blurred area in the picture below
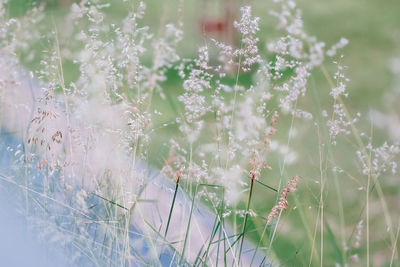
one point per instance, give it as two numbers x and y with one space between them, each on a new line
18 245
36 230
22 244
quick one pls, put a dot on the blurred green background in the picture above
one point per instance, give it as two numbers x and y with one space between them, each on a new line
373 28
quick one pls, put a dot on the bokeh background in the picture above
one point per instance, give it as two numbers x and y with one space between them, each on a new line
373 29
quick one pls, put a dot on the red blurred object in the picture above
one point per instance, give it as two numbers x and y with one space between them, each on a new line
216 20
214 26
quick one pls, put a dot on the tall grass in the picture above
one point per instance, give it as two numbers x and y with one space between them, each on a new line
234 157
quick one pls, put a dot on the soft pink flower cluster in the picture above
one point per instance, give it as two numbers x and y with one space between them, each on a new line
283 202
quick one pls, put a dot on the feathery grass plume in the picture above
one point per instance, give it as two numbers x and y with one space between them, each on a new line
283 202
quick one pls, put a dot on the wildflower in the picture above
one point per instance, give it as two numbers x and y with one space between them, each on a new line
355 258
357 238
248 27
339 122
339 45
382 159
283 202
341 82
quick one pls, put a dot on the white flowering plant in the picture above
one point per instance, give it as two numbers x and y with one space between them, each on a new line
129 149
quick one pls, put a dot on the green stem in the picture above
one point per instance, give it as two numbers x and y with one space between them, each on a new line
189 224
172 206
246 216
